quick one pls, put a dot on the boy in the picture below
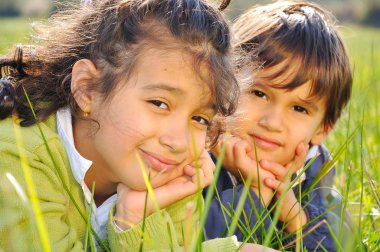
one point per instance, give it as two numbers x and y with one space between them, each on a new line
290 105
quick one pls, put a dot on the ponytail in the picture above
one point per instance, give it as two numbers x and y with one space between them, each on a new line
7 98
11 72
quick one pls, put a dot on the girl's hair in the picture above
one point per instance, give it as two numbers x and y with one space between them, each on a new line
300 36
113 34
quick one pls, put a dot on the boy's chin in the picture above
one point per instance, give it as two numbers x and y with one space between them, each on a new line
274 158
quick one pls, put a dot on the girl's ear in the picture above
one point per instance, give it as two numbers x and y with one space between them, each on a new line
321 134
83 76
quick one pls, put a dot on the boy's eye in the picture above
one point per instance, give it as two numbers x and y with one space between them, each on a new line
300 109
159 104
258 93
202 120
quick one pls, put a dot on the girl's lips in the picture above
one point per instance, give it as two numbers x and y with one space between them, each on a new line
158 163
266 143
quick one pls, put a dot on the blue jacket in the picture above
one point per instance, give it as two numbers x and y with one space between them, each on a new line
321 203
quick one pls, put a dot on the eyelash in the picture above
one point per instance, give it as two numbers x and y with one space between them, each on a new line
200 118
300 109
158 104
259 93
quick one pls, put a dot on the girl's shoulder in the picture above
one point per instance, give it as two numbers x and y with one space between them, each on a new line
31 137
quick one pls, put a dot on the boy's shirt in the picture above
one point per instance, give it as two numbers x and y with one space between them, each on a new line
320 203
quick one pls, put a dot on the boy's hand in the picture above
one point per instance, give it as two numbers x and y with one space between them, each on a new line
240 160
130 204
290 208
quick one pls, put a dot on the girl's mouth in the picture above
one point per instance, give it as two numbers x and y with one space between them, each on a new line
158 162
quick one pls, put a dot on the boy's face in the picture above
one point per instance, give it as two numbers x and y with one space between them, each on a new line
276 120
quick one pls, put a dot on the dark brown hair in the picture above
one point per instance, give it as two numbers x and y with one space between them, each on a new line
113 34
303 36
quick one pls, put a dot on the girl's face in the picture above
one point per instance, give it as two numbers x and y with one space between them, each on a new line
159 113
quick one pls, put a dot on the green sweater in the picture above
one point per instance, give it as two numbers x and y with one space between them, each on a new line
65 221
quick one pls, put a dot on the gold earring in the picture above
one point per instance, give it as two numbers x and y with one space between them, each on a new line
86 114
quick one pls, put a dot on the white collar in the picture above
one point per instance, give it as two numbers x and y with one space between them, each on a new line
79 166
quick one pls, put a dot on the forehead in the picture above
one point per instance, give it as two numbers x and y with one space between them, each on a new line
173 71
279 75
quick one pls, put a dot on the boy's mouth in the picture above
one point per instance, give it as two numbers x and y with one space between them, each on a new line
266 143
158 162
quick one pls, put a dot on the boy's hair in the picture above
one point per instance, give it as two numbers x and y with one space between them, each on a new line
113 34
300 36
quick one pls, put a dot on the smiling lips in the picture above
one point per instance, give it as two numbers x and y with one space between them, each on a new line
158 163
266 143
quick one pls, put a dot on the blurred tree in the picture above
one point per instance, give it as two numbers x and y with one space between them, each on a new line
9 8
372 16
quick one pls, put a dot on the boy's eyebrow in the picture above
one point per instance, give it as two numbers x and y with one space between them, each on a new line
163 86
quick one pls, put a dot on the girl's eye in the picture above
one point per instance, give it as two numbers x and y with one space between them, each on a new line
201 120
160 104
300 109
258 93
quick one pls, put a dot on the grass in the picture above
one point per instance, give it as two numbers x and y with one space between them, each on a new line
362 155
358 160
13 31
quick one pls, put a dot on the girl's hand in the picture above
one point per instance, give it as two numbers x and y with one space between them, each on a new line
240 160
130 204
290 208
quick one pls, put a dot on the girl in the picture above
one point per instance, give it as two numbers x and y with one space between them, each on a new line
110 92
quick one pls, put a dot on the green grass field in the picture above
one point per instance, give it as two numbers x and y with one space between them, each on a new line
358 169
12 31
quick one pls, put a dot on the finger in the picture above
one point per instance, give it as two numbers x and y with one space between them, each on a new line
229 143
189 170
203 182
299 158
174 191
274 184
209 173
242 160
206 162
279 171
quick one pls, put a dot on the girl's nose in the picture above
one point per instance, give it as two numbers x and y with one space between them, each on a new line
176 137
272 120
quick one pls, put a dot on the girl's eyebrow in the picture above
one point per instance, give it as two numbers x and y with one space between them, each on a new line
165 87
177 91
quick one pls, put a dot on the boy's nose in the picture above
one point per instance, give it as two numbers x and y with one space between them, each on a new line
272 120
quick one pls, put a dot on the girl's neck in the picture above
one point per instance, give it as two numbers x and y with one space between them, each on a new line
96 174
103 189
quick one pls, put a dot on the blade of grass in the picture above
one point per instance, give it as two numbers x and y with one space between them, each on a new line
210 192
88 234
199 188
143 223
31 190
100 241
